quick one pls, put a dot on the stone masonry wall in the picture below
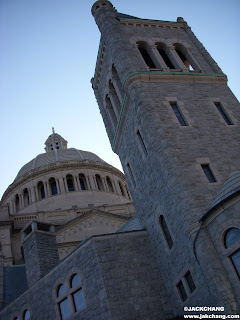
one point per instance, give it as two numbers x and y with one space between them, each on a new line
120 280
41 255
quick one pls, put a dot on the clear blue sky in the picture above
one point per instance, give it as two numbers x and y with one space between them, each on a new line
47 58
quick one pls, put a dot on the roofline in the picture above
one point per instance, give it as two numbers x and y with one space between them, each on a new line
233 194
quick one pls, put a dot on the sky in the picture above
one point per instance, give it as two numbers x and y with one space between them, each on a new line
47 59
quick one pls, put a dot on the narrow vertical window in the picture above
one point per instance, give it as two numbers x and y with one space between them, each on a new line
70 183
26 197
53 186
121 188
223 113
41 190
64 306
78 297
142 144
131 175
208 173
99 182
109 184
82 181
178 114
182 291
189 279
165 231
17 203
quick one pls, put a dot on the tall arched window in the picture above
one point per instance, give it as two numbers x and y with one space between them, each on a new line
26 315
111 112
53 186
117 83
99 182
41 190
70 182
181 52
162 51
82 181
17 202
232 243
114 99
26 197
143 49
70 300
63 304
109 184
165 231
121 188
77 294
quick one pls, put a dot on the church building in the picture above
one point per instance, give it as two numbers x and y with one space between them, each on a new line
72 246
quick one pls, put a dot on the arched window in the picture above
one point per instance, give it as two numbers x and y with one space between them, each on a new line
26 315
77 294
63 304
231 238
17 202
128 194
99 182
82 181
109 184
165 231
111 112
114 99
41 190
25 197
70 300
163 54
121 188
143 49
70 182
181 52
117 83
53 186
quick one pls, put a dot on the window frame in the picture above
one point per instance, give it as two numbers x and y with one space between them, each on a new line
223 113
68 295
178 113
231 250
209 173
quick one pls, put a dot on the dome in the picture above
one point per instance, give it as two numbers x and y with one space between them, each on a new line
58 155
57 151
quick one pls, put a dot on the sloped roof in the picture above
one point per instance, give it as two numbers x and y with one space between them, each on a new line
230 187
132 225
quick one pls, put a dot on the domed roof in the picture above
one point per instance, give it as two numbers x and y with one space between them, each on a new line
229 188
57 151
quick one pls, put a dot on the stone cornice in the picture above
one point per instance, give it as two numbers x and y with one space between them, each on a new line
60 166
179 77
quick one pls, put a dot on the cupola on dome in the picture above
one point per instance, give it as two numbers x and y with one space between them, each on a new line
57 151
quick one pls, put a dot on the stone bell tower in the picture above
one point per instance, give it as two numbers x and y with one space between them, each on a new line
174 123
